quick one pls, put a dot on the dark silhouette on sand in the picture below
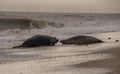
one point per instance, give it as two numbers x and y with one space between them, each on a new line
80 40
39 40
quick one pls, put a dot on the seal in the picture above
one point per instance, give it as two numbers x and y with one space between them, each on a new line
116 40
80 40
39 40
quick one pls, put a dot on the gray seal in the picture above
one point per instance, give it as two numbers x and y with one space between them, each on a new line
81 39
39 40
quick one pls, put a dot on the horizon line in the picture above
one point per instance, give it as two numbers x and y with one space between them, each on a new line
58 12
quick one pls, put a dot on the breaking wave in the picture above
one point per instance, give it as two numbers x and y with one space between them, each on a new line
22 23
78 22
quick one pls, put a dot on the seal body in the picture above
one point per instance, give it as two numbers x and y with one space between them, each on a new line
80 40
39 40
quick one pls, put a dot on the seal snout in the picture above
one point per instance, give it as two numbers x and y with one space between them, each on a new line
57 40
62 41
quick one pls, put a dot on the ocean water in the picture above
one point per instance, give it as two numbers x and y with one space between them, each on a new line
72 22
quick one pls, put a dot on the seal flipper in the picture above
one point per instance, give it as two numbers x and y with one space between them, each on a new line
17 46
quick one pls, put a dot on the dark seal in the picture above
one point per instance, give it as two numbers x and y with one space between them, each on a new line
80 40
39 40
116 40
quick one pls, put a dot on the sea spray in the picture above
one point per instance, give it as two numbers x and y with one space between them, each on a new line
23 23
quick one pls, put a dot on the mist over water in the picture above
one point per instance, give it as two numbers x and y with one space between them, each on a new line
75 6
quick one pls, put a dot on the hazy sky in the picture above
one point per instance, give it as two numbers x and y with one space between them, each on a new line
101 6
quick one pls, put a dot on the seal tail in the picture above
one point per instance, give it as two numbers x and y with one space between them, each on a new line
17 46
101 41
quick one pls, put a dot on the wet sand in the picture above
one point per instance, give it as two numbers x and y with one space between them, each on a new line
100 58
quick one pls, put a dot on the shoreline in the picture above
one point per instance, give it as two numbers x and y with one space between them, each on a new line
61 59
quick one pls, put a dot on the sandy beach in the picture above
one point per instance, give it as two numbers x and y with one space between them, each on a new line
101 58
